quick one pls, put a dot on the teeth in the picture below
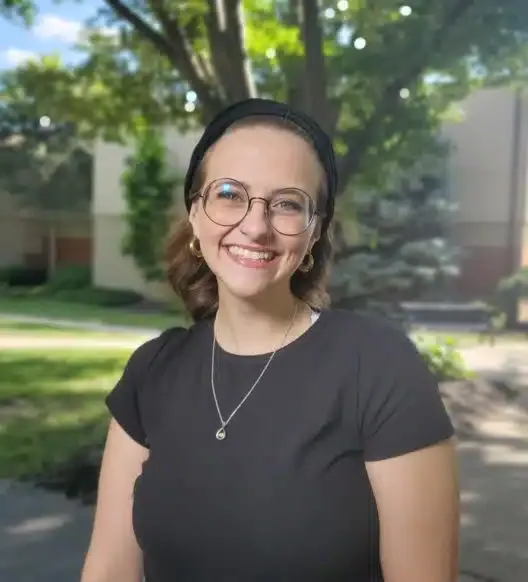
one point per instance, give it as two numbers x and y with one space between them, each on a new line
254 255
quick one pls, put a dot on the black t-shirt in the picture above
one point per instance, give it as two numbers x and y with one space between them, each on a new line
285 497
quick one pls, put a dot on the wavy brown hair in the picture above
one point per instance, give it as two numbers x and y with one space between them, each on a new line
196 284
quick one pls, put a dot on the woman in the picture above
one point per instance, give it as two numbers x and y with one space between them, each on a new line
276 439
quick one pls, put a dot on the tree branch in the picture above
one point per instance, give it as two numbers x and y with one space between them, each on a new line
315 77
241 63
292 66
185 60
361 140
142 27
175 47
225 31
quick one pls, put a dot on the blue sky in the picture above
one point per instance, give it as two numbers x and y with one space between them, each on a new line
55 30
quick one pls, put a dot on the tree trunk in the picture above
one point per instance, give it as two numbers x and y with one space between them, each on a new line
52 249
232 77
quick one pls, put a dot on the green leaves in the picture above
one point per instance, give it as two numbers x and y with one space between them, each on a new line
18 10
380 78
148 191
50 172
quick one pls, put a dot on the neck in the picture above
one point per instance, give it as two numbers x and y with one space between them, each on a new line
258 326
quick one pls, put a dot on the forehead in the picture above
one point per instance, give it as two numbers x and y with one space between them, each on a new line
265 157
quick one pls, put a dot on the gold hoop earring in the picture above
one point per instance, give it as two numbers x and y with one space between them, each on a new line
194 248
308 262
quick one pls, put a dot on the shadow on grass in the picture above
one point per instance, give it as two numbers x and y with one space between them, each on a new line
52 406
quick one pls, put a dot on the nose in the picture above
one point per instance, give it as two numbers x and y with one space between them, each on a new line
255 223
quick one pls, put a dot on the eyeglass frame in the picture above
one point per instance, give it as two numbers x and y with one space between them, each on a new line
202 192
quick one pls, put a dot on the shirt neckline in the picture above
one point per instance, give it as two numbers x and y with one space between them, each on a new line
319 319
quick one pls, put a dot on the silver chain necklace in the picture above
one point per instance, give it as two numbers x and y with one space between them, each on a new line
221 432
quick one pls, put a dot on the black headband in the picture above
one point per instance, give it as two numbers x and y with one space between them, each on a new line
267 107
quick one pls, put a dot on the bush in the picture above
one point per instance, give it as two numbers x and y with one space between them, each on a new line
444 360
70 278
99 297
504 301
21 276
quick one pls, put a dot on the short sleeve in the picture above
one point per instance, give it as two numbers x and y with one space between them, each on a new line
124 401
400 406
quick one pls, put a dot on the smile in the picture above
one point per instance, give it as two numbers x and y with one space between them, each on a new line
249 257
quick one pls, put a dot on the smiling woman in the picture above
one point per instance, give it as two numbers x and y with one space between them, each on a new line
227 202
276 439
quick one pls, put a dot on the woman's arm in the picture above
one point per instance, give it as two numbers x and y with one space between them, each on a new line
418 505
113 554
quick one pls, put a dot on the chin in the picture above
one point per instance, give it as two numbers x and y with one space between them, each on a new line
247 291
253 287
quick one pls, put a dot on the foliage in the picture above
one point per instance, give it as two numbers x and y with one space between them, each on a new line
443 359
68 284
148 192
503 304
99 297
47 171
400 250
85 296
140 60
70 278
22 276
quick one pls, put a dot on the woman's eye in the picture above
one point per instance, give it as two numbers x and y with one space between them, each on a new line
227 192
285 204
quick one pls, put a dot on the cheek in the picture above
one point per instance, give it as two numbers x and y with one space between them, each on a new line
210 234
297 246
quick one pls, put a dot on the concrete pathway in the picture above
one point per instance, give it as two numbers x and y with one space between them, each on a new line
43 536
19 341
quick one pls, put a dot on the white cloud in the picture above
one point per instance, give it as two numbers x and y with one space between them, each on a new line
55 27
65 30
16 57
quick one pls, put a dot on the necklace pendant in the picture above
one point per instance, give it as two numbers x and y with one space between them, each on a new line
221 434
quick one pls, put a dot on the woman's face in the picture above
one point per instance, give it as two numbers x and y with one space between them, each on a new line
251 258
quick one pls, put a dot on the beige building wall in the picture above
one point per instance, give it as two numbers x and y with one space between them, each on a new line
110 268
487 177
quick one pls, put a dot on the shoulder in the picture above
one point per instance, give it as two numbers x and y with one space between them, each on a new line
397 401
379 353
150 352
370 335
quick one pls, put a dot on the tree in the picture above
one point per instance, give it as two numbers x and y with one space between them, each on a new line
149 194
381 103
401 250
47 169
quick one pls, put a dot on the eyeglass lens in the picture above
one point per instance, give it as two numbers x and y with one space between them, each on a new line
226 202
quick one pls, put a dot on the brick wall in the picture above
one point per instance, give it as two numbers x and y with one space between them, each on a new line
482 268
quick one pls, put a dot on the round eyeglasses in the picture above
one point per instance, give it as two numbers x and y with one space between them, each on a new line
226 202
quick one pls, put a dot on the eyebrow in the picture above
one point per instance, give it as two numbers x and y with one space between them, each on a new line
275 190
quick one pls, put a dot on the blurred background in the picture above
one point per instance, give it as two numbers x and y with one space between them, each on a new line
101 105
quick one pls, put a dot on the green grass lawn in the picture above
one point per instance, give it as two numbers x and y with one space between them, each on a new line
52 405
53 309
36 330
